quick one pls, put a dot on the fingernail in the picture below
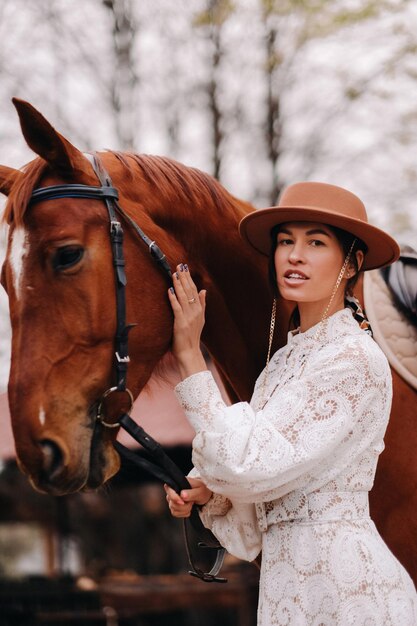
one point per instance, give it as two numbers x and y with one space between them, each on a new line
181 267
177 276
186 267
172 290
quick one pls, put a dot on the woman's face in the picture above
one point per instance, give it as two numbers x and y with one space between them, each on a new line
308 260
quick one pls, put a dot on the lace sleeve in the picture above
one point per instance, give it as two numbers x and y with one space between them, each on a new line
235 527
319 422
217 505
237 530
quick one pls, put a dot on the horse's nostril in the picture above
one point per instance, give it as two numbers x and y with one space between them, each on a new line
51 457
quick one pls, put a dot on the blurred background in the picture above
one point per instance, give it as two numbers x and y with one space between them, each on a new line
259 93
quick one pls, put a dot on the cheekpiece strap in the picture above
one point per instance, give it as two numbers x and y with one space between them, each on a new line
116 239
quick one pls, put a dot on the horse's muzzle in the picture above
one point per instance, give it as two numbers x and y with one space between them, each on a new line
52 459
54 474
60 471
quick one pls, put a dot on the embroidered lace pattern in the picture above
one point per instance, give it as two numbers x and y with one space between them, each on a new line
292 479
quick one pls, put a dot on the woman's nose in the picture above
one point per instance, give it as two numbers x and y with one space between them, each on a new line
296 254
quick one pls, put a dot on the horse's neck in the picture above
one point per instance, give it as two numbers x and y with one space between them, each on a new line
238 297
238 307
195 220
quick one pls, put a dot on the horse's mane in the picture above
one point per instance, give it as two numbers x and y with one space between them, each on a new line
169 177
174 179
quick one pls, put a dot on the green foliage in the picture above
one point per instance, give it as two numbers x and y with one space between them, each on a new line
287 7
217 12
321 18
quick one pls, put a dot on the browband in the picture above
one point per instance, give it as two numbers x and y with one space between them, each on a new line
55 192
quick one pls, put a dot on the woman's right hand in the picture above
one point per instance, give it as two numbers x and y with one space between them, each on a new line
188 305
181 504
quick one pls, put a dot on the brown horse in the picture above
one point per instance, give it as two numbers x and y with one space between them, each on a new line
59 277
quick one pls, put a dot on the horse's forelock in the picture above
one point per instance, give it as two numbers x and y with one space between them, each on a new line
19 197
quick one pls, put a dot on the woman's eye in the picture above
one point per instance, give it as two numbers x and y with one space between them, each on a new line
67 257
284 242
317 242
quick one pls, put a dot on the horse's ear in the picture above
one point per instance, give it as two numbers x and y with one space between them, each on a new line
45 141
8 177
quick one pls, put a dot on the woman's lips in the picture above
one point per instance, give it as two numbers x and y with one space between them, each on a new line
293 277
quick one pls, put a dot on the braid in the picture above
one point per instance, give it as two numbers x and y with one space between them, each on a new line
358 313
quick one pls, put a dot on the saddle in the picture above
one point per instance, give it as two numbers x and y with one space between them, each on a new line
390 298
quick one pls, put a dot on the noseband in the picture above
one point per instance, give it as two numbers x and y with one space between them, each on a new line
161 466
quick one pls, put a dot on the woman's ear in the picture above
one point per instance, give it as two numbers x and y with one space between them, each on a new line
359 258
351 269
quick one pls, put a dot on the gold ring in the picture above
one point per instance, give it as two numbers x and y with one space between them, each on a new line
191 301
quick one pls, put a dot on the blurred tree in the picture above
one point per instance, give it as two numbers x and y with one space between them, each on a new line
124 78
348 119
212 21
273 111
289 26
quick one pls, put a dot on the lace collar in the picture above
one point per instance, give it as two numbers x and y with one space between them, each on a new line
340 323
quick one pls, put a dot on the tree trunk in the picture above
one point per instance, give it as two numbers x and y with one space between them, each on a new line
273 113
212 87
125 79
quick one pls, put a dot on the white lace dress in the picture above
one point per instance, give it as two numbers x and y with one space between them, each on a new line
292 478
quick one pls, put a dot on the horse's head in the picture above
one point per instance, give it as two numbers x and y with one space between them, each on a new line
59 277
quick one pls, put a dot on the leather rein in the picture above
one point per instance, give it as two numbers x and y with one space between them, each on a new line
157 462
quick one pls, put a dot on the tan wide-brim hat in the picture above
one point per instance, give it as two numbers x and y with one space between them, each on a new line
327 204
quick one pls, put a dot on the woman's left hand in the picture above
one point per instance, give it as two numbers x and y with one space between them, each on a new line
181 504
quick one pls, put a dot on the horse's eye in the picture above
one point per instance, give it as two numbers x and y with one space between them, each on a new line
67 257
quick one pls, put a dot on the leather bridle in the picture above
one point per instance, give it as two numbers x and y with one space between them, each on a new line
159 464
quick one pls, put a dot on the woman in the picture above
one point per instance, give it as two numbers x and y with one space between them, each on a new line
290 472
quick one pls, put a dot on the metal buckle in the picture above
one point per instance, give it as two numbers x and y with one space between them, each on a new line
206 577
122 359
114 224
99 417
